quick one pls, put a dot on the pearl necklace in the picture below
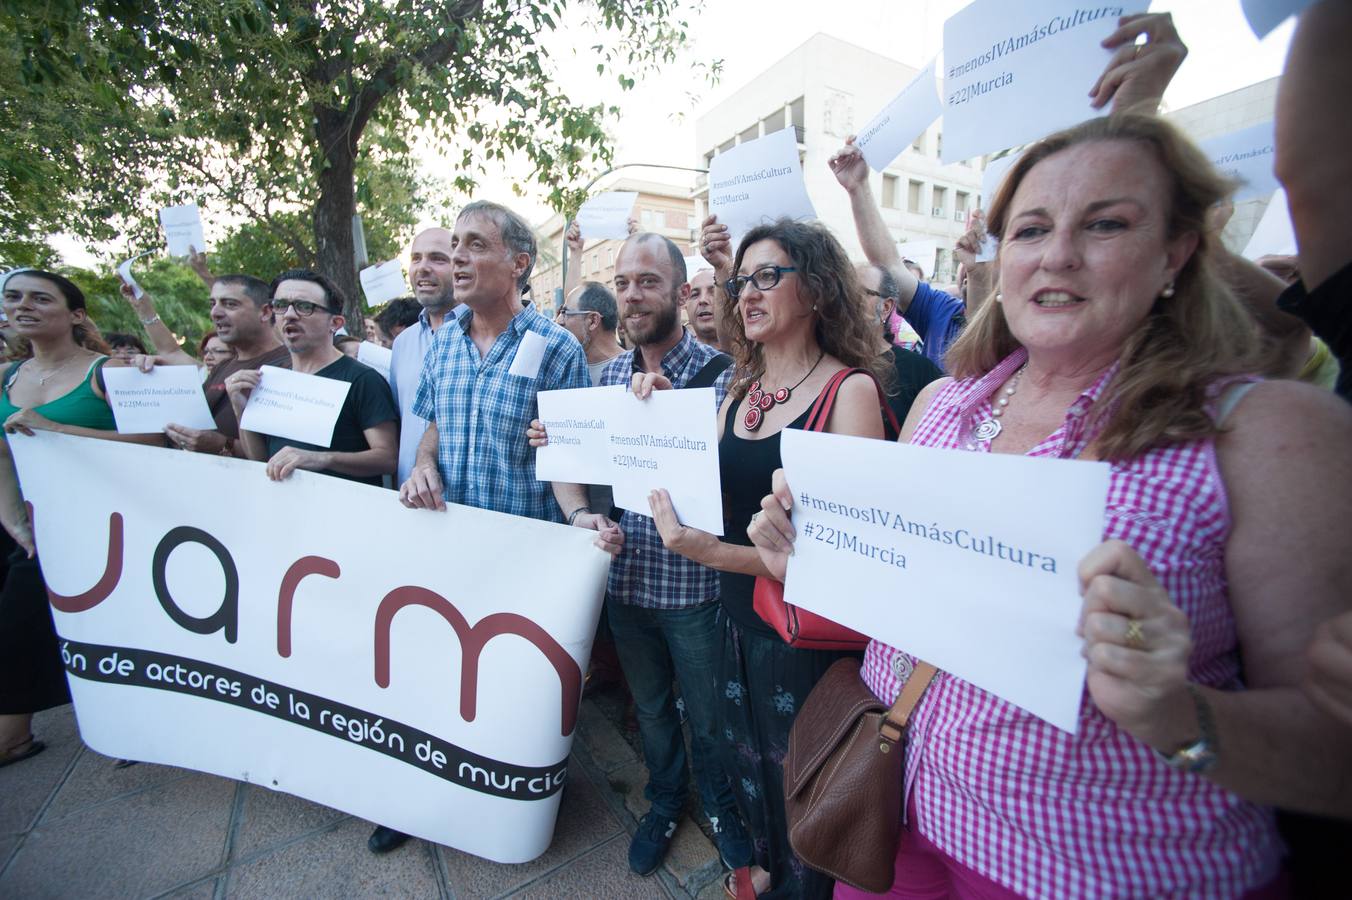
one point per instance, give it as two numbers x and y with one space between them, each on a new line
990 429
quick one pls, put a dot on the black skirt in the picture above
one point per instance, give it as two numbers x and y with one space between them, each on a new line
32 677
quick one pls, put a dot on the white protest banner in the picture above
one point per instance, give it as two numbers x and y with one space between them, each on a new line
921 253
375 356
759 181
183 229
1266 15
983 588
124 272
669 441
1275 235
579 448
606 215
277 649
145 402
294 405
1014 72
383 282
694 265
905 116
1246 155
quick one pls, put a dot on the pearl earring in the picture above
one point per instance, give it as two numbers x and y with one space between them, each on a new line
1168 291
999 296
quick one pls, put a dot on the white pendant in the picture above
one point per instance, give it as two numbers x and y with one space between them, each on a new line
988 430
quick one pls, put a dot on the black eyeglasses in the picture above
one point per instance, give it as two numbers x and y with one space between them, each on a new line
304 308
763 278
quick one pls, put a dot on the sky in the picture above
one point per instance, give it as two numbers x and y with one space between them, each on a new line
658 117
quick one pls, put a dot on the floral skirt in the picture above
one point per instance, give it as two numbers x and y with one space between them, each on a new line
761 684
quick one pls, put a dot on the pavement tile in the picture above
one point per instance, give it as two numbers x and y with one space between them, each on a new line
602 873
136 846
629 782
26 786
608 748
336 864
271 817
95 779
713 890
7 845
585 821
692 857
202 890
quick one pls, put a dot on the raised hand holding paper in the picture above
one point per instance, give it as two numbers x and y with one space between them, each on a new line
606 216
294 405
124 272
1014 72
383 282
985 590
1246 155
759 181
907 115
145 402
183 229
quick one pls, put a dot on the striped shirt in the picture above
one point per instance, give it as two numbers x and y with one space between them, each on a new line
481 410
1094 814
646 573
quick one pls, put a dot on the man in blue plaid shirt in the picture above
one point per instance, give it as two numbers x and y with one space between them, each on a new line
662 607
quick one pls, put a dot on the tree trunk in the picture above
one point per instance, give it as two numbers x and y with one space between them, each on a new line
333 222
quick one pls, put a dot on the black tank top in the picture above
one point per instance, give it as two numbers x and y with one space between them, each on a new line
746 469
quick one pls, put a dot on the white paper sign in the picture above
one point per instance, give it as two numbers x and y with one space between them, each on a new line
1248 156
1275 235
375 356
606 216
295 405
124 272
669 441
694 265
183 229
143 403
993 175
920 252
289 656
757 182
579 448
529 354
907 115
986 591
1014 72
1265 15
607 436
383 282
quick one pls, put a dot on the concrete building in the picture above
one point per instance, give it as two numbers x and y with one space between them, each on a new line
666 209
827 89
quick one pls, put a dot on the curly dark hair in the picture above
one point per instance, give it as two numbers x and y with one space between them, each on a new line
845 328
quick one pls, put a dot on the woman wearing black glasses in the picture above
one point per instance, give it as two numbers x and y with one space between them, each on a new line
793 312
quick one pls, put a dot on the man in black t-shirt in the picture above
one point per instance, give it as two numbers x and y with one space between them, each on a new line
914 371
365 438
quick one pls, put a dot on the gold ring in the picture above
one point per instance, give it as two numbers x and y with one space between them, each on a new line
1135 636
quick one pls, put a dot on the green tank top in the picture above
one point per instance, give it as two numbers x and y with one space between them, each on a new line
80 406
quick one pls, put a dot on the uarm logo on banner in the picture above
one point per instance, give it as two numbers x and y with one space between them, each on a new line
112 572
472 642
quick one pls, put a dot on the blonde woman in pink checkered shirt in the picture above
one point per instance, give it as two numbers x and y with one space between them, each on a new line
1224 546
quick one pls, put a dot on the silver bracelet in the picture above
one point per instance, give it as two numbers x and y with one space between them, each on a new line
574 514
151 320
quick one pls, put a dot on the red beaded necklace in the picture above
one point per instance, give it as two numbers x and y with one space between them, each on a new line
759 402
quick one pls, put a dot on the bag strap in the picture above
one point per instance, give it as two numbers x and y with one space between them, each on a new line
709 372
821 410
893 725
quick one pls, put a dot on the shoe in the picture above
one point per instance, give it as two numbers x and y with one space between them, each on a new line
734 844
650 843
383 840
25 749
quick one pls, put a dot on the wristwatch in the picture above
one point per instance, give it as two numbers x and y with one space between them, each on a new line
1201 755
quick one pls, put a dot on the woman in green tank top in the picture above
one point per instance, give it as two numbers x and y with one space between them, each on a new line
57 388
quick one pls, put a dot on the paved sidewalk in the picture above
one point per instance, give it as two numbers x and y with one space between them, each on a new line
72 825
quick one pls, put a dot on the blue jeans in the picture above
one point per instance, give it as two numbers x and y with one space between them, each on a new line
654 645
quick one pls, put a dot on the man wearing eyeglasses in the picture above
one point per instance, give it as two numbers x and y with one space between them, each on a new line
592 318
364 448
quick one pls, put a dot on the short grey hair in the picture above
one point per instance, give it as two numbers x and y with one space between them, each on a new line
517 235
596 297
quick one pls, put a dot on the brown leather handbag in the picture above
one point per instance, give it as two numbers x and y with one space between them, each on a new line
843 776
799 627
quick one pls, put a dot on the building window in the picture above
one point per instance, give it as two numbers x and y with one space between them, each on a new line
773 122
646 217
610 256
709 159
960 206
890 183
918 145
940 200
596 262
749 135
676 220
938 145
727 145
796 118
913 197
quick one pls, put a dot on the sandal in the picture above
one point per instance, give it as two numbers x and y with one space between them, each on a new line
23 750
760 882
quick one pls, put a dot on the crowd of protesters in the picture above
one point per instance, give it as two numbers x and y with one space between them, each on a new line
1112 325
